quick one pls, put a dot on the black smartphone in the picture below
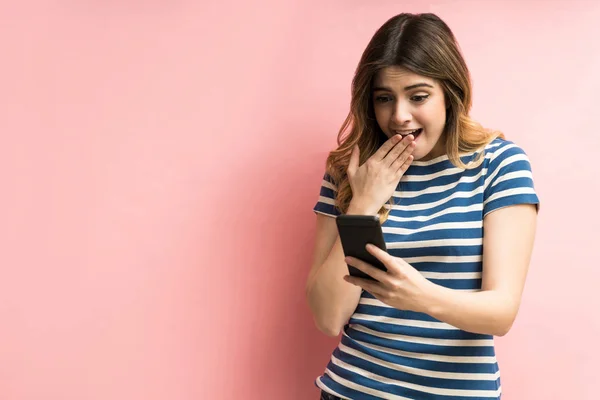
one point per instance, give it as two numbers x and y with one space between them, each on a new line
356 231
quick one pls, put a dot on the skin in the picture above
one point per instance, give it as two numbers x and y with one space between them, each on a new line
400 106
331 300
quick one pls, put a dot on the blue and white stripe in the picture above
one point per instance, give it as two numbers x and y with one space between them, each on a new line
436 225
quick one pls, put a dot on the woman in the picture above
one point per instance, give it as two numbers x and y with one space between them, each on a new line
410 153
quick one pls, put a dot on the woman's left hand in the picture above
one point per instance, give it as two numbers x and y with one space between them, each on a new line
402 286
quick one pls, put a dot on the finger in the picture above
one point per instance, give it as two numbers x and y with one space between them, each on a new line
402 169
354 159
367 268
386 147
372 287
402 157
384 257
399 150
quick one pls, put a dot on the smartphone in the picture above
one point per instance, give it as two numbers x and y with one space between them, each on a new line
356 231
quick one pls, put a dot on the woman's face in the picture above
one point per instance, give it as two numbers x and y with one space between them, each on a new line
403 102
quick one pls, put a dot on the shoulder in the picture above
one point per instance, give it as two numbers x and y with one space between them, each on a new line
501 149
504 156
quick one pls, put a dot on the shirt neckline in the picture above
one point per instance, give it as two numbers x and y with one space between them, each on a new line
435 160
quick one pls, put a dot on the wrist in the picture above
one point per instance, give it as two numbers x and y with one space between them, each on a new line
432 299
360 208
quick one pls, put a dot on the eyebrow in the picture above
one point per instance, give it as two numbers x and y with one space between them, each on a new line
416 85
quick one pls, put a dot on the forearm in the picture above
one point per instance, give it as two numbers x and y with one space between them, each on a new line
487 312
332 300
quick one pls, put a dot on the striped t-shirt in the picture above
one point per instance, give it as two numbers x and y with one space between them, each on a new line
436 225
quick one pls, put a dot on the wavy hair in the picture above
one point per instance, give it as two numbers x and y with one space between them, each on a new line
424 45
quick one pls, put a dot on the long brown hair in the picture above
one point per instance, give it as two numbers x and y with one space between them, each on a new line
425 45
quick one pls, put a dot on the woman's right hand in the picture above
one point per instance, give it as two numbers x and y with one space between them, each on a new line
374 182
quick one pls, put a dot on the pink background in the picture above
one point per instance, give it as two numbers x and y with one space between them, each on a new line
160 161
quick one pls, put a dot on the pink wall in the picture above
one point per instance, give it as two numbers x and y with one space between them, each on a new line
160 161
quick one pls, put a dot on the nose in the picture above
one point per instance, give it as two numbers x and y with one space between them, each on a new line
401 115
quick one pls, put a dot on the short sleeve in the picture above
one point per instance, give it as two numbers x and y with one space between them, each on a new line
326 201
509 179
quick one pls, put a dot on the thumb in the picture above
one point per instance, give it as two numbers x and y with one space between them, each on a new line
354 158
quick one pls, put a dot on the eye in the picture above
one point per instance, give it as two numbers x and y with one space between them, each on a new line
382 99
419 99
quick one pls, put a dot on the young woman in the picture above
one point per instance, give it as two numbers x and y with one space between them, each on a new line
458 211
